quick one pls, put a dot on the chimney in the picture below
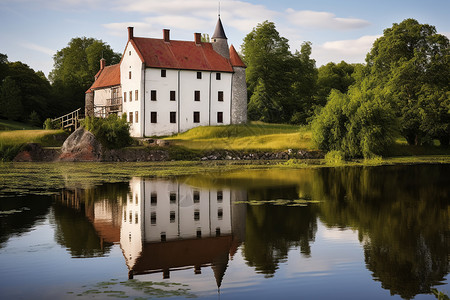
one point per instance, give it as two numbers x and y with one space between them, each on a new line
130 33
102 63
198 38
166 35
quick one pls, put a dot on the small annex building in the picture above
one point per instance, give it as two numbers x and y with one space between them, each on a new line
167 86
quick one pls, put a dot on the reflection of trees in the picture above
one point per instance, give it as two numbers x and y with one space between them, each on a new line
402 215
20 214
76 220
272 230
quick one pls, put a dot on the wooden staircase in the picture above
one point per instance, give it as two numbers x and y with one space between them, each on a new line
70 120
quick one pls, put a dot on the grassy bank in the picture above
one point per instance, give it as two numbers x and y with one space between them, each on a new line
12 141
253 136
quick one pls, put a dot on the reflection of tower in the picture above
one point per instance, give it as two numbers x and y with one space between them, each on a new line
181 226
131 229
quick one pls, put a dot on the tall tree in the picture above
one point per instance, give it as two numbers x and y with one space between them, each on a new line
3 66
75 67
333 76
10 100
412 62
268 58
304 79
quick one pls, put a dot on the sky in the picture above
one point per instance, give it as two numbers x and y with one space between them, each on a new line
31 31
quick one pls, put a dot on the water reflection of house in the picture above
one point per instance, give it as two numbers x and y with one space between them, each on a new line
168 226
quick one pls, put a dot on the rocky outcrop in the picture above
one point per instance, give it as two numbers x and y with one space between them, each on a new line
81 145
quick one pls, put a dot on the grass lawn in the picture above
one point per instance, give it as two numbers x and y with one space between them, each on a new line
253 136
12 125
47 138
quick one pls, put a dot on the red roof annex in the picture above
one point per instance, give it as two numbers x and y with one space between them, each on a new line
182 55
109 76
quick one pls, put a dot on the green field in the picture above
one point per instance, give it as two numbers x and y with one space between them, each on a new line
12 125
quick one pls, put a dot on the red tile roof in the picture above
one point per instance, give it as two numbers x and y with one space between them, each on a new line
235 59
109 76
182 55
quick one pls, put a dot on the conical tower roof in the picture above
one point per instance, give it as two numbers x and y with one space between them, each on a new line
219 33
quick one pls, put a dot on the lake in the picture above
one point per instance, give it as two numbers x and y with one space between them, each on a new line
324 233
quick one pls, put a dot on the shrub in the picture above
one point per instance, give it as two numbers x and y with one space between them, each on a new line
49 125
112 132
335 157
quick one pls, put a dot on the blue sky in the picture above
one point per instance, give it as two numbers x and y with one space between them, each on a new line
32 31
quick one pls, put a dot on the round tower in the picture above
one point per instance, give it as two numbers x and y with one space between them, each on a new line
219 40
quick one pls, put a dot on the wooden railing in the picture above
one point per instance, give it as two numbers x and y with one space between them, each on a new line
69 120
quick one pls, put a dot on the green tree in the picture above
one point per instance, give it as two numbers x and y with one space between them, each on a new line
268 58
359 123
412 62
333 76
10 100
3 66
304 77
35 90
75 67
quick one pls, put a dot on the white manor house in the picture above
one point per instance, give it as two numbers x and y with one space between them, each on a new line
167 86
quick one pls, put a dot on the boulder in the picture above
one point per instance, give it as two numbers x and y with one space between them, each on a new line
81 145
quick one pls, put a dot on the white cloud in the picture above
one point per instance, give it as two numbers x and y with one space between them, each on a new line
38 48
351 51
323 20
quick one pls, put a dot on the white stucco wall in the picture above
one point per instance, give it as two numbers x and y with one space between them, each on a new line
163 105
223 85
132 62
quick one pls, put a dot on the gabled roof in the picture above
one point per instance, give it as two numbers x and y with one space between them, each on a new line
109 76
235 59
182 55
219 33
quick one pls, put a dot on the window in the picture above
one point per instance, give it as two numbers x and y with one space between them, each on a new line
196 197
219 214
136 218
129 75
163 239
196 117
173 117
163 73
196 215
218 76
131 96
136 117
137 199
172 95
218 231
136 95
197 95
153 95
219 196
153 218
153 199
199 75
219 117
124 96
172 217
130 117
129 52
131 216
220 96
173 198
199 233
153 117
